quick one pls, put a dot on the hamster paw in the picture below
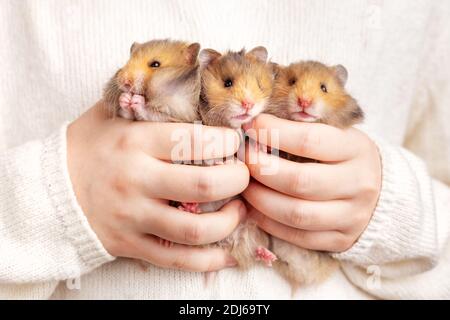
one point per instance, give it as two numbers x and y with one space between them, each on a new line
265 255
134 102
137 102
125 100
192 207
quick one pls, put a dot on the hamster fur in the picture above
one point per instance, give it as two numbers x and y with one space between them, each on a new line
310 91
160 82
236 87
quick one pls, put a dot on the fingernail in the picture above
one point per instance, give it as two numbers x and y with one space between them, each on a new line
231 262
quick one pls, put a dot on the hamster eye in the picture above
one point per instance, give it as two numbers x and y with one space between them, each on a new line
292 81
154 64
323 88
227 83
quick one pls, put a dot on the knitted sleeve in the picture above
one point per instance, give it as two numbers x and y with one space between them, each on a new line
407 243
44 235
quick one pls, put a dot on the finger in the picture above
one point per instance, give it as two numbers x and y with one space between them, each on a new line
196 183
182 141
311 181
298 213
183 227
183 257
310 140
314 240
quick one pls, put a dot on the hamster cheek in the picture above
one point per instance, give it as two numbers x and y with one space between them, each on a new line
319 109
291 103
258 108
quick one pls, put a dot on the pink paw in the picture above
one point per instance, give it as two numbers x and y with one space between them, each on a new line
192 207
125 100
265 255
131 102
137 102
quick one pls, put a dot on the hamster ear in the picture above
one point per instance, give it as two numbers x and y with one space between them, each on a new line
341 73
134 46
276 69
207 56
356 114
260 53
191 53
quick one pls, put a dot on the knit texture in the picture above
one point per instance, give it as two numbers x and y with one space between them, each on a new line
397 218
56 55
45 235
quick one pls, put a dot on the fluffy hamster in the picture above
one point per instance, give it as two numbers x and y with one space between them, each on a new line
236 87
310 91
160 82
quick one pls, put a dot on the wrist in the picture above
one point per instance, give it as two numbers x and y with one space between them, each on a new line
77 230
398 229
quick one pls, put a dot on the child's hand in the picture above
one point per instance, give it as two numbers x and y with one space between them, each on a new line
321 206
123 178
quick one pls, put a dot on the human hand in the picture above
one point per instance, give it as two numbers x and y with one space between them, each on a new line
123 176
320 206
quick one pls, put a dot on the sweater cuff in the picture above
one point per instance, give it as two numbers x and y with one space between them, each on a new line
77 230
403 225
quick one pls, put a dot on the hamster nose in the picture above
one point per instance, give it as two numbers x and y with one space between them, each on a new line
304 103
127 84
247 104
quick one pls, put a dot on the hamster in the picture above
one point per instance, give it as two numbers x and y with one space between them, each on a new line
236 87
160 82
310 91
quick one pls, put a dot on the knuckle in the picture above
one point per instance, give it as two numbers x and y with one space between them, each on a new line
307 141
119 184
125 141
205 186
300 182
121 215
297 237
297 216
181 261
193 234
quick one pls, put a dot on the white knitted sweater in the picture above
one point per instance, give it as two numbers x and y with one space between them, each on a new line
56 55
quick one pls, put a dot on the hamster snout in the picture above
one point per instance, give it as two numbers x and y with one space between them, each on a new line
132 82
305 102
